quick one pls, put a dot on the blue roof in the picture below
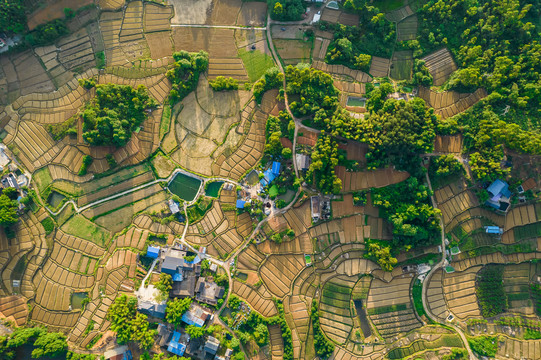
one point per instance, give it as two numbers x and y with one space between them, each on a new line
240 204
493 230
127 355
276 168
269 177
499 187
153 252
174 346
177 277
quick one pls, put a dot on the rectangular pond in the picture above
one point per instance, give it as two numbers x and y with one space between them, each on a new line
55 199
184 186
77 300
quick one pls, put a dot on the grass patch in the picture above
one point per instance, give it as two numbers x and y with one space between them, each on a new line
165 122
387 309
417 293
43 179
162 165
387 5
48 225
100 59
401 69
81 227
256 63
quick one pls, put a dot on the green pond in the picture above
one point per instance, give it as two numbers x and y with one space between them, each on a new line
184 186
355 101
213 188
55 199
77 300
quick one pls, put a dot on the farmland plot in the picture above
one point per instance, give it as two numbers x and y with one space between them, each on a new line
402 64
450 103
156 17
14 308
379 67
399 14
343 71
293 52
407 28
457 205
448 144
76 53
252 13
516 283
364 180
441 65
335 307
389 307
260 303
459 292
435 297
132 25
278 271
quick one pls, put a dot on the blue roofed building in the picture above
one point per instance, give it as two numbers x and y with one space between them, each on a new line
172 265
499 195
494 230
241 204
196 315
270 174
153 252
175 346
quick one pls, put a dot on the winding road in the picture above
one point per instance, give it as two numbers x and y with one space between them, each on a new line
438 266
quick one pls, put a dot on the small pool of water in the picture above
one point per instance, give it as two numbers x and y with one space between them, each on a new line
77 300
356 101
186 187
55 199
332 5
213 188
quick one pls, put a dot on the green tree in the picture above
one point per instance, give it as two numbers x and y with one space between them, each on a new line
50 345
164 284
184 74
324 160
8 211
233 302
195 331
383 256
141 333
362 62
121 313
114 113
12 16
223 83
175 309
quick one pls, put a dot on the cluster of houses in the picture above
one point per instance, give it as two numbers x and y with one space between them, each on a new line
14 177
185 270
320 208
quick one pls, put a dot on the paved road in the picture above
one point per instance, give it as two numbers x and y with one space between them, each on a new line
438 266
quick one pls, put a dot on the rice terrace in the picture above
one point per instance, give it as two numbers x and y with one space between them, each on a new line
270 180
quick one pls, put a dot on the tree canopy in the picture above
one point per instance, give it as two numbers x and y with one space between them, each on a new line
12 16
286 10
184 75
114 113
128 324
8 210
175 309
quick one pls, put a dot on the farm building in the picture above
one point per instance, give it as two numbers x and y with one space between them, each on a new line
270 174
151 308
529 184
493 230
241 204
303 161
316 211
172 265
185 287
164 335
499 195
173 206
196 315
118 353
208 292
177 345
153 252
212 345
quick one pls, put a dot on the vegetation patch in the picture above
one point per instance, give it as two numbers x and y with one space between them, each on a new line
81 227
490 291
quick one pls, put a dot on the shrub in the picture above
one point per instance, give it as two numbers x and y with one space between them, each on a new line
87 83
223 83
185 73
48 225
87 160
484 345
272 79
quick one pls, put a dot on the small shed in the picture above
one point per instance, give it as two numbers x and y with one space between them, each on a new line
276 168
493 230
175 346
212 345
153 252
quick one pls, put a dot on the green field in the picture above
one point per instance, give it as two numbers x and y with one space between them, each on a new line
81 227
256 63
165 122
401 65
43 178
